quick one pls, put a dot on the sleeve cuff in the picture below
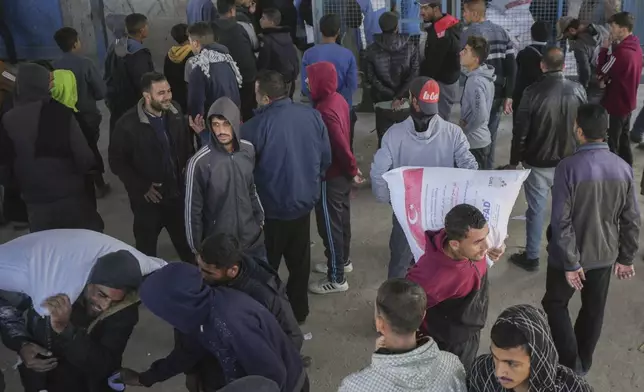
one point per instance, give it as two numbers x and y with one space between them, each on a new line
148 378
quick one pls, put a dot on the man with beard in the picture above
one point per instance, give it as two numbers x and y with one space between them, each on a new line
523 357
149 150
244 338
423 139
391 64
453 273
213 74
220 189
223 264
585 40
442 53
81 343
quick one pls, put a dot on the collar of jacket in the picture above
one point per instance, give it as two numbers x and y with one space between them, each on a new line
554 74
593 146
144 118
129 300
277 103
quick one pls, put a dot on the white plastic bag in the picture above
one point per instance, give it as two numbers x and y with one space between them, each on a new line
421 197
59 261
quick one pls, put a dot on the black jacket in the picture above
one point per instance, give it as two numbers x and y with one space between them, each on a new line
277 53
392 63
88 353
528 70
442 60
233 36
51 155
136 157
543 132
126 62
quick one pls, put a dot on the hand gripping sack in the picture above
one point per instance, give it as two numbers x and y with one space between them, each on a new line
421 197
59 261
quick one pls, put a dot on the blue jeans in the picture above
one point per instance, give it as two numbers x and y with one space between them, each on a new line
493 124
638 126
401 257
537 188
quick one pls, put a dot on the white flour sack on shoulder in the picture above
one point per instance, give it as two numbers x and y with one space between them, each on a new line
422 196
59 261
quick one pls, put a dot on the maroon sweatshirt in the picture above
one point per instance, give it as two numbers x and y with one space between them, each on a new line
621 68
323 82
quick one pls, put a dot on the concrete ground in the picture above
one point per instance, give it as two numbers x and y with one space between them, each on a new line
342 324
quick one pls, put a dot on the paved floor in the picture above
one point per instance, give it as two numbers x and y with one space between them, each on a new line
342 324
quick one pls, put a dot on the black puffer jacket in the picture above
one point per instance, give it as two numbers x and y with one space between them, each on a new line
233 36
392 63
277 53
543 132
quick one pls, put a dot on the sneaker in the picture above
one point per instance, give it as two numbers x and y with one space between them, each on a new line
323 286
323 268
521 261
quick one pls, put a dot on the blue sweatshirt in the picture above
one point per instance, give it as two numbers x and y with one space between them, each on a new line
345 66
201 11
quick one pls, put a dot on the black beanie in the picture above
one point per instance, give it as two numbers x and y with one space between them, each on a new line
388 22
118 270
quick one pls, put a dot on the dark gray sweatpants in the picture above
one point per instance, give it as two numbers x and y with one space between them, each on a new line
333 216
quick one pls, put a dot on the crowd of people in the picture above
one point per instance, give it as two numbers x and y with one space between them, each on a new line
215 150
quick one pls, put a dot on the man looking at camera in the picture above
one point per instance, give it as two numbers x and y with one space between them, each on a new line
595 227
149 149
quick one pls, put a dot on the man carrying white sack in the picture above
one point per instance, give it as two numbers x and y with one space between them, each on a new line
453 273
87 282
426 140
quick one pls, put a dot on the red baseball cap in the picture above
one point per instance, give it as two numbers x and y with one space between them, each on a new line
427 92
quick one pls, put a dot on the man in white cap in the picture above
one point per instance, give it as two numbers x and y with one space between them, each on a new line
424 139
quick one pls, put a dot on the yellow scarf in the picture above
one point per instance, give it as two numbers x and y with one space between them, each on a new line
64 88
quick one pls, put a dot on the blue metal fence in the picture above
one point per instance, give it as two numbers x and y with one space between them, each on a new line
636 7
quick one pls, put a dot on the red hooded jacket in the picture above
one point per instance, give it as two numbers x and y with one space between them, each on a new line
323 83
621 68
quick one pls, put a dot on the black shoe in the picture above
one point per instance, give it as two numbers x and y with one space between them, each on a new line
520 260
306 361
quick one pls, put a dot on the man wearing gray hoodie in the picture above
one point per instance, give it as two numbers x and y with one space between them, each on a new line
477 98
423 139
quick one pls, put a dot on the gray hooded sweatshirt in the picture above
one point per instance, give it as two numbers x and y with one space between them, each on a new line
443 144
220 187
476 104
424 369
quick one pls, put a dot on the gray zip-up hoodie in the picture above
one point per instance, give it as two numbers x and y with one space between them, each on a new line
443 144
220 189
476 104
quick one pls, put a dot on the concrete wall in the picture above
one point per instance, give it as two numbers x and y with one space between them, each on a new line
86 16
162 14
